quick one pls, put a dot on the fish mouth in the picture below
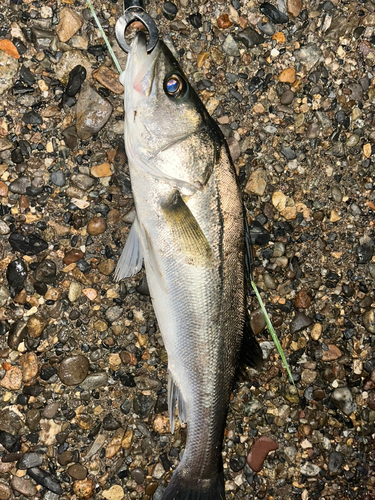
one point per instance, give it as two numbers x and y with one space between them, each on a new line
141 64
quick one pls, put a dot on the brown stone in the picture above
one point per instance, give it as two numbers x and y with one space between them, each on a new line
96 226
109 79
259 452
12 379
23 486
256 183
77 471
224 22
294 7
128 358
74 255
84 489
332 353
107 266
115 444
113 216
73 369
288 75
30 366
103 170
3 189
5 491
35 326
302 300
70 22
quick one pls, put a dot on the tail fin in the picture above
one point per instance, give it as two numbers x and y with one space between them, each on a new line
181 488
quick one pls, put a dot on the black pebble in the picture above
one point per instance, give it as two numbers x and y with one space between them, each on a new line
83 266
46 272
273 13
44 479
169 10
342 118
47 372
110 423
288 153
11 443
76 77
16 156
143 405
27 245
250 37
365 253
40 288
32 118
67 100
195 20
27 76
126 406
258 234
237 463
16 275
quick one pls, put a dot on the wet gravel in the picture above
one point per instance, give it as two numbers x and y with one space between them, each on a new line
83 407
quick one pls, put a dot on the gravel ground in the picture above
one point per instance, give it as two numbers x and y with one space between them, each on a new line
82 364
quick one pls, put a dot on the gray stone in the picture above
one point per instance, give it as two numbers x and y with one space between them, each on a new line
299 322
343 399
310 470
58 178
94 380
73 370
93 112
230 46
28 460
113 313
308 55
8 71
19 185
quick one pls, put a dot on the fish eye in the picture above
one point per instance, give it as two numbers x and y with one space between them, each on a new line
174 86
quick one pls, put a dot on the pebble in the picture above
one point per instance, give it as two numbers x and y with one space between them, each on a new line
73 369
5 491
35 326
302 300
316 331
16 275
46 272
23 486
73 255
109 79
288 75
261 448
30 366
335 459
294 7
75 291
43 478
332 353
58 178
237 463
230 46
8 71
309 55
310 470
94 381
287 97
28 460
93 112
258 234
76 77
30 244
269 282
169 10
113 313
20 185
116 492
273 14
103 170
256 183
3 189
51 409
84 489
69 23
77 471
343 399
250 37
107 267
368 320
12 379
96 226
257 321
299 322
83 181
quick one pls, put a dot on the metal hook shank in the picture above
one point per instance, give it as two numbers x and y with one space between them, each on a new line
128 18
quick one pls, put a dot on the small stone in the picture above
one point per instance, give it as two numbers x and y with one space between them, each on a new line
109 79
196 20
76 77
288 75
43 478
230 46
5 491
73 369
3 189
259 452
223 21
169 10
31 244
237 463
279 200
90 293
308 54
308 377
310 470
302 300
299 322
83 181
258 234
334 217
35 326
96 226
332 353
75 291
116 492
138 476
365 252
58 178
69 23
93 112
12 379
23 486
294 7
368 320
287 97
30 366
32 118
51 409
334 461
279 37
257 321
158 471
343 399
115 444
316 331
94 381
77 471
73 256
269 282
127 440
161 424
84 489
273 14
107 267
46 272
20 185
367 149
8 71
16 275
65 458
113 313
103 170
256 183
202 58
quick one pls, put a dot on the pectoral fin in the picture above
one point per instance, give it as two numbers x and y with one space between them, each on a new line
130 262
186 232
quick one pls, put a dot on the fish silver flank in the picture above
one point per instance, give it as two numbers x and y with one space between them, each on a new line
189 232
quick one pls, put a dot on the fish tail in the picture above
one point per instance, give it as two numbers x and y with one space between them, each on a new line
188 488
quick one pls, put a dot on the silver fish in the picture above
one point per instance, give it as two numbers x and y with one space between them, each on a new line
189 231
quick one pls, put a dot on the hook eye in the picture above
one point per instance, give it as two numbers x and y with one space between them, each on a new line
127 19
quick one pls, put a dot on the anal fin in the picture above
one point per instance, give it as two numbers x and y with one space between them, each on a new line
130 262
174 395
251 352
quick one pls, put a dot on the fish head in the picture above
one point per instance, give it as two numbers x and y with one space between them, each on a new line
168 131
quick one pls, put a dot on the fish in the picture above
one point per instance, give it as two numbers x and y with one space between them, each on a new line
189 233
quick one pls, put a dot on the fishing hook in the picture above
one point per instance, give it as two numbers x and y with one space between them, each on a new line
134 11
